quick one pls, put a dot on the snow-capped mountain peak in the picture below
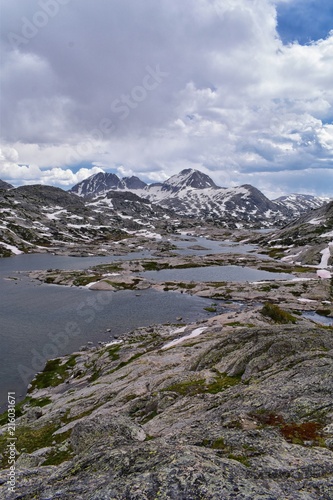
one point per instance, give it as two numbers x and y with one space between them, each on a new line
190 178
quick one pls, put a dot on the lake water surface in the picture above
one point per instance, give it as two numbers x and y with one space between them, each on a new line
318 318
32 262
214 273
184 246
40 321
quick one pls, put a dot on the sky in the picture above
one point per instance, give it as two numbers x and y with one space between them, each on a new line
239 89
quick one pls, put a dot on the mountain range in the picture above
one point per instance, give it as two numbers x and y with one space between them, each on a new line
192 193
105 208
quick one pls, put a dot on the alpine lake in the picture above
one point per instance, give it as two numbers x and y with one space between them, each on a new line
41 320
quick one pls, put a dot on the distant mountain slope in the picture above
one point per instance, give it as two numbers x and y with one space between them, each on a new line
101 183
38 218
308 240
192 193
300 204
5 185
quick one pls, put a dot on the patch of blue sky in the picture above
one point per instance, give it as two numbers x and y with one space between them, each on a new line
83 164
304 21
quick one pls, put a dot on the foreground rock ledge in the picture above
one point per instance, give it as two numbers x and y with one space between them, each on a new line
239 411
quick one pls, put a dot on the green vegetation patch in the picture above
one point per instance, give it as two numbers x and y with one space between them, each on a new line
275 269
19 407
58 457
85 280
30 440
216 444
240 458
54 373
155 266
222 382
50 279
124 285
199 386
211 309
113 352
125 363
220 446
186 286
277 314
299 269
95 374
108 268
144 410
4 252
189 265
275 253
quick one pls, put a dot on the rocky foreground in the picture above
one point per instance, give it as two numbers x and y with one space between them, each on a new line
233 407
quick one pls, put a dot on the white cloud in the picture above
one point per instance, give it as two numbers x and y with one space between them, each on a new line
235 102
16 173
124 172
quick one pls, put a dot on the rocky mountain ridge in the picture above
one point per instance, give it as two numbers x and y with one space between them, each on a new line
5 185
192 193
308 240
301 203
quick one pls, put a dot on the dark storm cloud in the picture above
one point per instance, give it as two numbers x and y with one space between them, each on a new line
92 54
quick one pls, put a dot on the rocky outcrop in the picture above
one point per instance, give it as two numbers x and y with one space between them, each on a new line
228 411
305 239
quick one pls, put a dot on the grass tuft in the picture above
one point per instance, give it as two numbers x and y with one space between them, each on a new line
277 314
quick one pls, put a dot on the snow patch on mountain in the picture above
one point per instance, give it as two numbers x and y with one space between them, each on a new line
12 248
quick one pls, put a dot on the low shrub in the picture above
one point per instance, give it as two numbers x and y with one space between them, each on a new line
277 314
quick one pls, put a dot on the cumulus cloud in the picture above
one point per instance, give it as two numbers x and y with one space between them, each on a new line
12 171
147 88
